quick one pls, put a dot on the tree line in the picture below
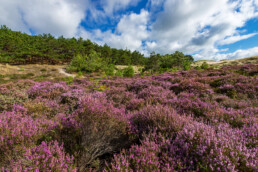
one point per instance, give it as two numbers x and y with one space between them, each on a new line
83 55
17 47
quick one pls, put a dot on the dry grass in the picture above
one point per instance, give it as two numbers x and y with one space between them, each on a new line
32 71
249 60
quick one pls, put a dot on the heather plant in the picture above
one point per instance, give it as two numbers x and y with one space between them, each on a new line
182 121
139 158
19 131
228 89
104 130
45 157
161 119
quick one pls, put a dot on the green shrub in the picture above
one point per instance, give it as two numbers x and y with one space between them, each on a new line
163 70
198 68
79 74
128 72
78 63
204 65
174 69
5 59
187 65
109 70
68 80
119 73
87 63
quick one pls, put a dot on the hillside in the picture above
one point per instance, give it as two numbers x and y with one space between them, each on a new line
21 48
248 60
196 120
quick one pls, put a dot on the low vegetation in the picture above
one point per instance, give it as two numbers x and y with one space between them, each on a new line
195 120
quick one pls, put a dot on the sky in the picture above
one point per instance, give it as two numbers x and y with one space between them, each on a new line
206 29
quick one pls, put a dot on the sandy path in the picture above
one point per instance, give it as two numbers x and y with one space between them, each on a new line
62 71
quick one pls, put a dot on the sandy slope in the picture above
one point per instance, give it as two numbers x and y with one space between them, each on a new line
36 69
253 60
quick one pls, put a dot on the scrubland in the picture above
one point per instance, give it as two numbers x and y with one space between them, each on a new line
196 120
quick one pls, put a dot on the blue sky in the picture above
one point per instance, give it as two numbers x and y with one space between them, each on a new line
206 29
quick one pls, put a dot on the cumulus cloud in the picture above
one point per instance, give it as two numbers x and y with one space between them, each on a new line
236 38
199 25
235 55
130 32
11 16
58 17
163 26
111 6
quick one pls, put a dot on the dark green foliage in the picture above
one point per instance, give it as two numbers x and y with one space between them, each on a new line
187 65
204 65
153 63
87 63
109 70
119 73
198 68
128 72
21 48
190 58
160 64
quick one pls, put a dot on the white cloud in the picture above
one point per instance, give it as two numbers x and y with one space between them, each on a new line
235 55
130 32
111 6
155 4
199 25
11 16
191 26
233 39
58 17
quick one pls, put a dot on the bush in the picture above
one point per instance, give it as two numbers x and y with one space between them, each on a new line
45 157
109 70
198 68
204 65
128 72
87 63
144 157
119 73
187 65
79 74
174 69
104 130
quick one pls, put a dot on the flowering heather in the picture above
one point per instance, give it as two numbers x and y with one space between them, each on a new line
182 121
45 157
